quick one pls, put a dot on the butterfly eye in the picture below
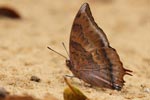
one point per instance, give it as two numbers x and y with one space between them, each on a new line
68 64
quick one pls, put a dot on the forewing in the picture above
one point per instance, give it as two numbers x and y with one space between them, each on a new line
85 34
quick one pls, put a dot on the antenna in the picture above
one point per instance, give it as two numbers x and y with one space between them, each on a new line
65 49
57 52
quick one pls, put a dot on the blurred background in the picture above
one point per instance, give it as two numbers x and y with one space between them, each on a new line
23 45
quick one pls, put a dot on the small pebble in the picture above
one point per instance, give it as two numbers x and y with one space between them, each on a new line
35 79
147 90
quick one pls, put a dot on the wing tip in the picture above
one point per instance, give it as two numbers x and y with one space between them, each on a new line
84 7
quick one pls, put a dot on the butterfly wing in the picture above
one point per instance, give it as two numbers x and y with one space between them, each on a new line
93 60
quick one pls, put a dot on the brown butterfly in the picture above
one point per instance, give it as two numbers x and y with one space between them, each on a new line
92 59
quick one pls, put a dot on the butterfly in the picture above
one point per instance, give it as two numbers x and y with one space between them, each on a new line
92 59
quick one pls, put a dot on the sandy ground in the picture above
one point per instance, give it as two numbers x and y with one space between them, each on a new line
23 43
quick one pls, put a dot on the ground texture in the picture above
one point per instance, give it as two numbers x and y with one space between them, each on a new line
24 53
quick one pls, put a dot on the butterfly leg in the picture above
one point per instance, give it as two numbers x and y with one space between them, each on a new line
69 76
87 85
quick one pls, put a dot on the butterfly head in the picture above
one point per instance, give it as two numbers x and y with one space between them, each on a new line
69 64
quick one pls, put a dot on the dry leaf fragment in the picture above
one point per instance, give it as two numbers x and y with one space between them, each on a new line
9 12
49 97
3 93
72 93
19 98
